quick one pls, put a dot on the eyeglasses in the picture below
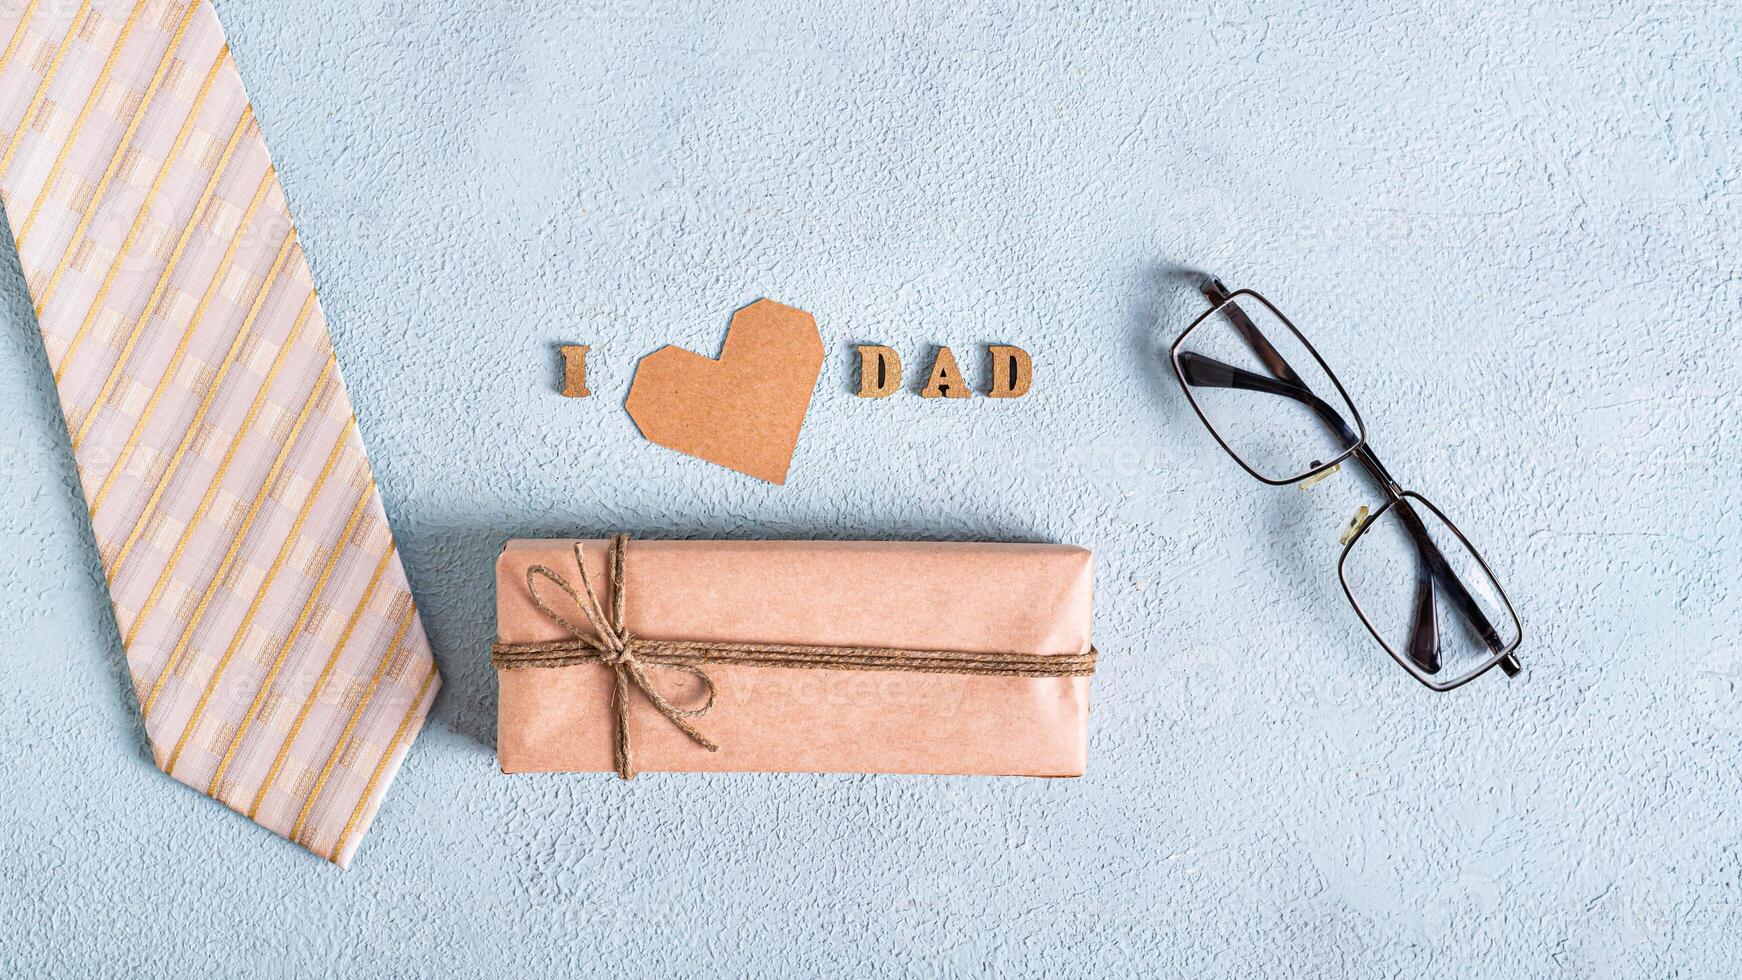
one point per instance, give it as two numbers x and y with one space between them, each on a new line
1285 418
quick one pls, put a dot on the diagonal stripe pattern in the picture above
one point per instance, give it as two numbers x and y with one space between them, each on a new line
278 658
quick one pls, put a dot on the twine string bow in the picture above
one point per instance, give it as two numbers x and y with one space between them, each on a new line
615 647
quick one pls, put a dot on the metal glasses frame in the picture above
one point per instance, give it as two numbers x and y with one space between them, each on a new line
1421 657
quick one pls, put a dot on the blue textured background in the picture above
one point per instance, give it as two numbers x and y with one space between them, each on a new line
1514 228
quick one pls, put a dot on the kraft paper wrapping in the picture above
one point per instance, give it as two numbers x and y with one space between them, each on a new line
1028 598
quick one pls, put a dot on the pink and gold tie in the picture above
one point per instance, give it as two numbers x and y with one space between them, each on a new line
277 655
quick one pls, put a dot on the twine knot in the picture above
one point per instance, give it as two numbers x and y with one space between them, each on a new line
613 658
612 645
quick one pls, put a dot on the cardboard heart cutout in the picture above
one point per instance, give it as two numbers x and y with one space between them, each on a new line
744 410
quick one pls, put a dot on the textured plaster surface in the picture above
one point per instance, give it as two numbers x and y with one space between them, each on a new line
1514 229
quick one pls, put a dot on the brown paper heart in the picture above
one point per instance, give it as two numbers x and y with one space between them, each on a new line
744 410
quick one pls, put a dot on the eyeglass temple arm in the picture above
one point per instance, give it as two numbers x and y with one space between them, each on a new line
1206 372
1218 294
1424 629
1433 569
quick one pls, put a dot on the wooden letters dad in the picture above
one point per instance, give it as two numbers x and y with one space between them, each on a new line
1012 373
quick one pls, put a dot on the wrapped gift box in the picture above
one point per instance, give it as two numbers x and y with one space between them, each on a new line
1026 607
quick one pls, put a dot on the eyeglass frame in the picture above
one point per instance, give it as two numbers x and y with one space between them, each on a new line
1361 451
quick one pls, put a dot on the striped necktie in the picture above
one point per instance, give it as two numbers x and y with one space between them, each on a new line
278 659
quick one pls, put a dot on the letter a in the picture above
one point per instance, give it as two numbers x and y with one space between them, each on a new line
946 378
